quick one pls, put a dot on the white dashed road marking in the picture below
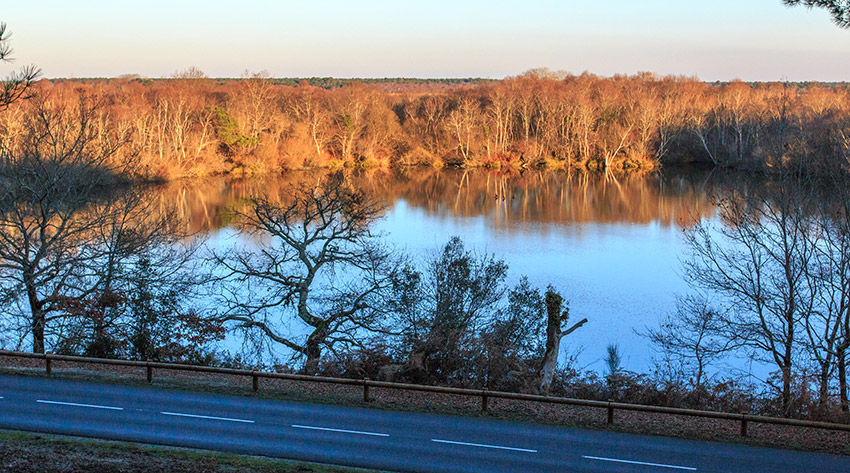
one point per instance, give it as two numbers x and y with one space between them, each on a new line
485 446
74 404
339 430
228 419
660 465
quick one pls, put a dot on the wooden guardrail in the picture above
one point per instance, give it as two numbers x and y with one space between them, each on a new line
485 395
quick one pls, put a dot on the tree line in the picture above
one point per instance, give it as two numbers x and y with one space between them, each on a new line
190 125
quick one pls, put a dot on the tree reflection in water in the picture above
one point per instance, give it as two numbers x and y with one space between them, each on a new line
612 243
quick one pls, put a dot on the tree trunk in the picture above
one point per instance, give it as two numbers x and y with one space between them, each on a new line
38 317
842 382
698 386
550 362
553 340
705 147
786 390
554 334
823 388
313 350
314 354
38 331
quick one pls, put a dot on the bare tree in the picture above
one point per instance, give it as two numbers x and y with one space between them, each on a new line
758 263
46 188
350 107
69 229
828 327
189 73
694 333
307 105
319 265
142 272
462 123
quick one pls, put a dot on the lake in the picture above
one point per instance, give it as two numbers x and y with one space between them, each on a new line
610 244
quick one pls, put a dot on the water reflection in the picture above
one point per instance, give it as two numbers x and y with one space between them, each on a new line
611 244
505 199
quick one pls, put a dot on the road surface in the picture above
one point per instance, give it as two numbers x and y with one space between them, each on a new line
369 438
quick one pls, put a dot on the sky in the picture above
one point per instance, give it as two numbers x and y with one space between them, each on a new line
759 40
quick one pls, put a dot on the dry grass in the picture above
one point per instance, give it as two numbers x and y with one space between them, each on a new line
26 453
777 436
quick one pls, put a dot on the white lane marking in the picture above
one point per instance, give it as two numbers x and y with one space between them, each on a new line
485 446
228 419
94 406
376 434
660 465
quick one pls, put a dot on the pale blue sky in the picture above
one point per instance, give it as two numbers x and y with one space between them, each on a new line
713 39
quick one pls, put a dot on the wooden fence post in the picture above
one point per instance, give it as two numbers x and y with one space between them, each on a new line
255 380
48 363
365 389
743 424
149 370
610 411
484 402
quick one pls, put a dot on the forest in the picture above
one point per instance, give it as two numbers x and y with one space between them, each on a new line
190 125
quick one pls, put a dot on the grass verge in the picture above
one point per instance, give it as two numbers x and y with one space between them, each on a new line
23 452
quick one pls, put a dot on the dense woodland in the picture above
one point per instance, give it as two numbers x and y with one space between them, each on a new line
190 125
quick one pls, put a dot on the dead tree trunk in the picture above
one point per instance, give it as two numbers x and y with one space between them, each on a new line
554 333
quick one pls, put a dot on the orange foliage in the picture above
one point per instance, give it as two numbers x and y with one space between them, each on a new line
185 127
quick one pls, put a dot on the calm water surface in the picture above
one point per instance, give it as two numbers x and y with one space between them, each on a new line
611 246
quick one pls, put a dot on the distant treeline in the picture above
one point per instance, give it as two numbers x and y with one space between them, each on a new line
336 82
333 82
321 82
196 126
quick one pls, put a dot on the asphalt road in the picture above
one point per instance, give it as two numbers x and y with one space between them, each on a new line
370 438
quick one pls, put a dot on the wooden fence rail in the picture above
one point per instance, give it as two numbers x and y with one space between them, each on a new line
485 395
